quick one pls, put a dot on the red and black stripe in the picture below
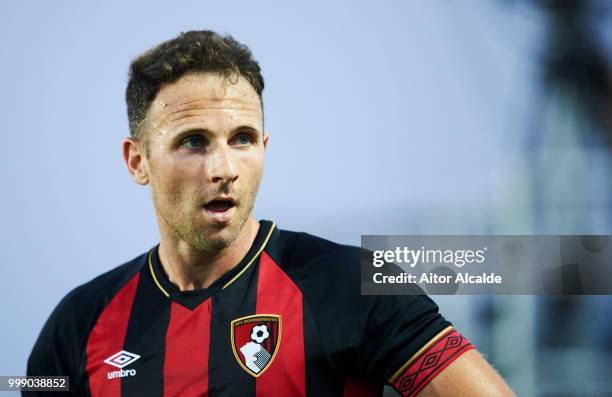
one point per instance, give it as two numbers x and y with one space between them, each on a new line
146 328
328 337
237 300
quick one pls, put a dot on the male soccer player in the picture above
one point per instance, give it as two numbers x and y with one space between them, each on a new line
226 305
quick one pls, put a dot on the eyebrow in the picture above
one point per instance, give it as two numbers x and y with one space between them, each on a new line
207 132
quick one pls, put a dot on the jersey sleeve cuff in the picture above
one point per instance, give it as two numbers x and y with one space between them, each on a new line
444 348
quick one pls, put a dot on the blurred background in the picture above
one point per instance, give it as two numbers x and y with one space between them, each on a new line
420 117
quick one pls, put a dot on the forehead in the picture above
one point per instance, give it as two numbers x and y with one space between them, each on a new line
202 94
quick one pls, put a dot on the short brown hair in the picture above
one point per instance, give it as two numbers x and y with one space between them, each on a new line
193 51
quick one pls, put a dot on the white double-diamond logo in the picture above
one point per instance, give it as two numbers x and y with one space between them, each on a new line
122 359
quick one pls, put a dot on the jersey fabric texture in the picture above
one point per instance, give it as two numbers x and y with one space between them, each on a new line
288 320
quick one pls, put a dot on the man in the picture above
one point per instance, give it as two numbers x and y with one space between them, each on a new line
226 305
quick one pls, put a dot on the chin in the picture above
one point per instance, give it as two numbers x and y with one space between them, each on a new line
213 238
207 235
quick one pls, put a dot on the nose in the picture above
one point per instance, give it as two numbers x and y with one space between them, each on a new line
221 165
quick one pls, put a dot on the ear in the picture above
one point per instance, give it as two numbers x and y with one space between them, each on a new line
266 137
136 161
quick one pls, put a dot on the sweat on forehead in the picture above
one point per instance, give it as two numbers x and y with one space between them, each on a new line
206 90
204 101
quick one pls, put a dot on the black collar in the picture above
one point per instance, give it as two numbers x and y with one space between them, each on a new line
193 298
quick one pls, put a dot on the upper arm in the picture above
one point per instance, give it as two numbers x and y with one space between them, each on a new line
401 340
47 357
365 336
427 364
57 350
448 366
469 375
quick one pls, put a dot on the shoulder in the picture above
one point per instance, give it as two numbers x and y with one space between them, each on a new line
61 342
91 296
78 310
367 335
299 252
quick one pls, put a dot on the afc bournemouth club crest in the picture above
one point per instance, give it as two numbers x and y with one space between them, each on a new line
255 341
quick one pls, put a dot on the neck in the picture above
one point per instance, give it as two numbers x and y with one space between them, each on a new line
189 268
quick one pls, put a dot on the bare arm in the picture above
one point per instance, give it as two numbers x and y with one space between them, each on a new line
469 375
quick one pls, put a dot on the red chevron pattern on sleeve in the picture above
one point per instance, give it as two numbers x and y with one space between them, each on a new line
429 362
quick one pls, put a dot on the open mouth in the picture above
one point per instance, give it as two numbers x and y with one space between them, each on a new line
220 205
220 209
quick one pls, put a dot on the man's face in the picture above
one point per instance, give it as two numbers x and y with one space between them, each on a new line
206 155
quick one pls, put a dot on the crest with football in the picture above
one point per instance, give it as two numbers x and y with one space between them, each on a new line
255 341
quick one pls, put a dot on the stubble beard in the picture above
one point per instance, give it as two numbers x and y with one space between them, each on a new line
210 238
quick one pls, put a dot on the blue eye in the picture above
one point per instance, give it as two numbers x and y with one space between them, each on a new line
193 142
243 139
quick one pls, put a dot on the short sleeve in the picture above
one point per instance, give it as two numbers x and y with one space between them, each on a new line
377 337
57 351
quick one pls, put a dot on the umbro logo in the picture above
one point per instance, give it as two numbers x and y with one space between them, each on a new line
121 359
